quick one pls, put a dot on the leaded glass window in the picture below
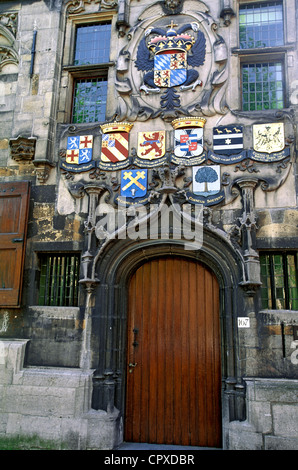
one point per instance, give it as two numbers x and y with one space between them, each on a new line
261 25
262 86
93 44
279 276
91 56
89 101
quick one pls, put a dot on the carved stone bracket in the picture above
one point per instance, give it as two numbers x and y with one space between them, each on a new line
122 19
42 169
23 149
227 13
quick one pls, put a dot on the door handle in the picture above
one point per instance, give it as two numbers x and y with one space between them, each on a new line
17 240
131 366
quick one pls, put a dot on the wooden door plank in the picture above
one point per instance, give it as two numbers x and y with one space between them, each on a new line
177 362
144 366
154 380
194 307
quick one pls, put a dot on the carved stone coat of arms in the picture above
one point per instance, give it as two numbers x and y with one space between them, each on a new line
171 66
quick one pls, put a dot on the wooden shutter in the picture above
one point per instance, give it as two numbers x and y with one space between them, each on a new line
14 202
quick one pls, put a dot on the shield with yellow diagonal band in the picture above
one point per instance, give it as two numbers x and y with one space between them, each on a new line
133 183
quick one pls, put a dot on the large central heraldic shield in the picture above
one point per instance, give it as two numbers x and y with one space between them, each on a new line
170 68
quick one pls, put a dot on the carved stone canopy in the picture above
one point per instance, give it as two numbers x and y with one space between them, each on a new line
8 30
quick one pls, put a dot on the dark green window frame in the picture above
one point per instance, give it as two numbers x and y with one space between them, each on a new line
262 85
59 279
279 276
90 99
90 71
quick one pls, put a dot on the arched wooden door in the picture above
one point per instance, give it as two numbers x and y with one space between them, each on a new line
173 387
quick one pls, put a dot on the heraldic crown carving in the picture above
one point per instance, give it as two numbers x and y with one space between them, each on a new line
181 57
169 66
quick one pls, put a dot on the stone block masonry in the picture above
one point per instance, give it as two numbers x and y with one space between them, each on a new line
272 416
52 404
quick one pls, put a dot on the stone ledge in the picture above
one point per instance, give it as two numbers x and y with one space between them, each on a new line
55 312
272 416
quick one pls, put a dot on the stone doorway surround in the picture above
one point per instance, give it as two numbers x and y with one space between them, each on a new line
115 269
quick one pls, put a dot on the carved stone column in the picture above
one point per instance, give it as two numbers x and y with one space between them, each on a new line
88 281
93 192
248 227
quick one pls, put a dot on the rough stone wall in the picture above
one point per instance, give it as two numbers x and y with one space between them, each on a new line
29 91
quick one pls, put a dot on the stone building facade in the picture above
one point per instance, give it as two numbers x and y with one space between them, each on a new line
148 222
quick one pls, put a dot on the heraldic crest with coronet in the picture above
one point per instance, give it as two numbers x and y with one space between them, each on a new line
174 51
172 66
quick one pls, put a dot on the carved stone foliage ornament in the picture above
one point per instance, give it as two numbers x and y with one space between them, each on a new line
75 7
173 65
8 29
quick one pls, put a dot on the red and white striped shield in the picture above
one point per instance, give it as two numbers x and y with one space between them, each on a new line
114 147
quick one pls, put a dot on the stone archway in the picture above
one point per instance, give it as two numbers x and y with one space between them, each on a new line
115 268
